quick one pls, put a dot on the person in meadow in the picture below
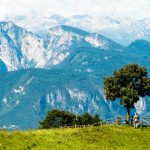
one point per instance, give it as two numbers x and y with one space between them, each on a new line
136 120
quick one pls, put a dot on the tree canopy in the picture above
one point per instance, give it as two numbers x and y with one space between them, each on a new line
129 84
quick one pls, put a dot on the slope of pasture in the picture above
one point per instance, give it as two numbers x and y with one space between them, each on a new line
89 138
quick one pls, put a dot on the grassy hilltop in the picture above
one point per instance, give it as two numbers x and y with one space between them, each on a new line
90 138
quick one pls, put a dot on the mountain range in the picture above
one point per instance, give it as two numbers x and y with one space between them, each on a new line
63 68
120 29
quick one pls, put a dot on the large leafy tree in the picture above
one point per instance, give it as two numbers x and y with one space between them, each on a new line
129 84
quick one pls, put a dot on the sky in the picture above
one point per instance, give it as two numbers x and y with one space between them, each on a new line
128 8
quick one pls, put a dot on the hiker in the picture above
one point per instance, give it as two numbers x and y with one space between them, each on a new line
118 120
136 120
127 118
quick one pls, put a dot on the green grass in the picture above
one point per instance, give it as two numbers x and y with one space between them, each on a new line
90 138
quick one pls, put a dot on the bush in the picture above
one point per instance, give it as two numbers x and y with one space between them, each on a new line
87 119
57 118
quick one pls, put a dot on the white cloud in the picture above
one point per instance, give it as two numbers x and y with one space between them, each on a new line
129 8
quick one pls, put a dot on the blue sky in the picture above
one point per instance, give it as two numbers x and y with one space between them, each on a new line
119 8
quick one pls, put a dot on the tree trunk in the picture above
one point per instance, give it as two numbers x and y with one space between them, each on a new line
128 116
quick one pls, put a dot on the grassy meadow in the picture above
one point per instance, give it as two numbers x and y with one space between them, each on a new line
90 138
